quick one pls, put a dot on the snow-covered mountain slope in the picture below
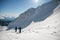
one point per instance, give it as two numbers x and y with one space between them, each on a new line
49 29
51 22
34 14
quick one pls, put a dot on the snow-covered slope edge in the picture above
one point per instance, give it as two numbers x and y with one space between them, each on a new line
50 26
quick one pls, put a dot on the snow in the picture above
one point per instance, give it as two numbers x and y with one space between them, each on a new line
48 29
44 33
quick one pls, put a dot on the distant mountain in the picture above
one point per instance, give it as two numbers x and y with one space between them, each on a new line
6 18
34 14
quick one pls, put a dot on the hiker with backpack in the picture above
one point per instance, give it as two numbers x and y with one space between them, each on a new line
19 29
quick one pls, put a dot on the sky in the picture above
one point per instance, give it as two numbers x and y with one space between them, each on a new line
16 7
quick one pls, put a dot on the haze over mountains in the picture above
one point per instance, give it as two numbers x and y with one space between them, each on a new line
7 18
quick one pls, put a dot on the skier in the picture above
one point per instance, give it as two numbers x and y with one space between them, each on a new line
15 29
19 29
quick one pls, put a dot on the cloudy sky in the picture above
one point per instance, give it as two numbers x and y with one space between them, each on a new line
16 7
